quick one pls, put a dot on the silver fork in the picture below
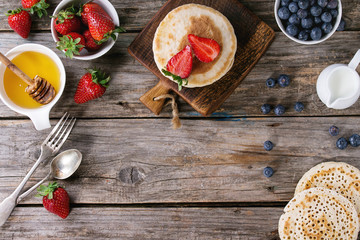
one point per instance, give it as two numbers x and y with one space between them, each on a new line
49 147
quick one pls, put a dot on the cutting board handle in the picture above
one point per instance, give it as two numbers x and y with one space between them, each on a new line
148 98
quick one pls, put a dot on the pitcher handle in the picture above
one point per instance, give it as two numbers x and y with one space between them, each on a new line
355 61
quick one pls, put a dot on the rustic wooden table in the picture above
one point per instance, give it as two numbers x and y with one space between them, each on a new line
140 179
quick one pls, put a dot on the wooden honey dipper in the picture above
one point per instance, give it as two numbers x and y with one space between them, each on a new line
38 88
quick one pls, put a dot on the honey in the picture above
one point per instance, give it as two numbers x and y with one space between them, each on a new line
31 63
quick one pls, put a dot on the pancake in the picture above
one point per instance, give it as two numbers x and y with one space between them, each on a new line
171 37
338 176
319 213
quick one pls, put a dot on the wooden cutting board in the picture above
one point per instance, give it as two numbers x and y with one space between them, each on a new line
253 38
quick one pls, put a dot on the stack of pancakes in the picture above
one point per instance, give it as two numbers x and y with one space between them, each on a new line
172 33
326 204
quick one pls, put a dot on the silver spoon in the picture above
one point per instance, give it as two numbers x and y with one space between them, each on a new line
61 167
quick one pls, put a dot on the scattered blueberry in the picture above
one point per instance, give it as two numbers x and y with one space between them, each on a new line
322 3
312 2
285 3
326 27
326 17
293 7
316 33
341 26
279 110
299 106
270 82
268 145
268 172
292 30
334 130
303 35
294 19
354 140
315 11
284 13
341 143
334 13
303 4
283 80
266 108
302 13
332 4
317 20
307 23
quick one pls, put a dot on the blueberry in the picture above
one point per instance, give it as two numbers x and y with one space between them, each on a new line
302 13
341 143
279 109
270 82
322 3
285 3
266 108
295 1
317 20
292 30
354 140
307 23
334 13
334 130
315 11
326 17
326 27
268 172
299 106
332 4
284 13
303 36
293 7
316 33
303 4
294 19
268 145
312 2
283 80
342 25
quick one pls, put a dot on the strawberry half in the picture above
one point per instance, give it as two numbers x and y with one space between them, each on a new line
205 49
55 199
181 63
36 6
72 44
91 7
20 21
92 85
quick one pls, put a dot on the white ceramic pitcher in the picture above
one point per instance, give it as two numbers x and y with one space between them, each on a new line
338 85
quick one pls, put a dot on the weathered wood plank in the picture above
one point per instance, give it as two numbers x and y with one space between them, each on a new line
145 161
131 80
144 223
135 14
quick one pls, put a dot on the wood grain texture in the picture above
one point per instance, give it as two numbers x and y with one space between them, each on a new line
253 38
135 14
145 161
144 223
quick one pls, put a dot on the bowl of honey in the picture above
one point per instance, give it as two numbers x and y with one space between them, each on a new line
32 59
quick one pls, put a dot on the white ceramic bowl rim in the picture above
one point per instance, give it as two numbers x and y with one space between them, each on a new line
279 23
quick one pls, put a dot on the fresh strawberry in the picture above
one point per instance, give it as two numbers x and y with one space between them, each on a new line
36 6
72 44
55 199
101 27
92 85
20 21
181 63
66 21
205 49
90 43
91 7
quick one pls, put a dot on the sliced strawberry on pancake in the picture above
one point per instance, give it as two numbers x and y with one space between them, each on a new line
205 49
181 63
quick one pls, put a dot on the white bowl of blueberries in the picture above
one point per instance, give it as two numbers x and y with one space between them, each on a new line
308 21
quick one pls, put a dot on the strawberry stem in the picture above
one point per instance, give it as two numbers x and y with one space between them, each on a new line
110 34
69 45
47 190
39 8
180 81
99 77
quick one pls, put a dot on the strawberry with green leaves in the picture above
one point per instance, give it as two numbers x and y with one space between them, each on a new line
55 199
66 21
92 85
20 21
101 27
72 44
91 7
205 49
36 6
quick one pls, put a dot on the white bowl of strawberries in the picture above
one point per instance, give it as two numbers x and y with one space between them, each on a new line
85 29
